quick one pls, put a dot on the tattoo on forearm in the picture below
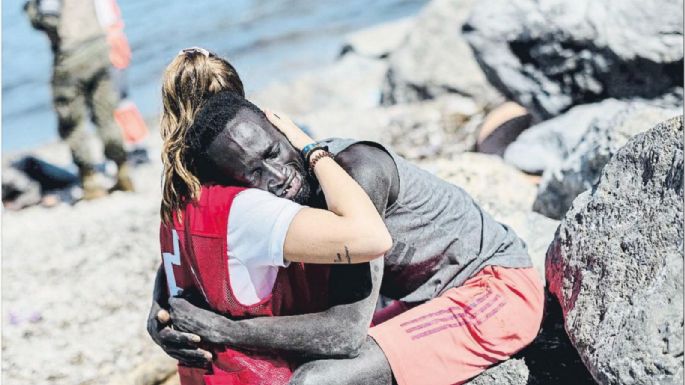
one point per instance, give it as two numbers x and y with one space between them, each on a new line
339 257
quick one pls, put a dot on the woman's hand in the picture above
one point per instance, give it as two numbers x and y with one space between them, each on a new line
294 134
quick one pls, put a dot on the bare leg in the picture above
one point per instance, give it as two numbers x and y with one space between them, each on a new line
369 368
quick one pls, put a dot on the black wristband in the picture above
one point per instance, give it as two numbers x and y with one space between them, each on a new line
310 150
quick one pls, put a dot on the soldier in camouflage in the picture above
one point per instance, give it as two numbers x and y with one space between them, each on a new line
81 84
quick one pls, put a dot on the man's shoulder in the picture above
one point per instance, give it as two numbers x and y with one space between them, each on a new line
365 156
373 167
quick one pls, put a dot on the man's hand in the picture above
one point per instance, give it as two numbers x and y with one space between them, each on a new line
211 327
179 345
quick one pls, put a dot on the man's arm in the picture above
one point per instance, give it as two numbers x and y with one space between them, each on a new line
336 332
40 19
45 16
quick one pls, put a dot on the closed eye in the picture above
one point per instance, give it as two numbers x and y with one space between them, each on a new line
273 153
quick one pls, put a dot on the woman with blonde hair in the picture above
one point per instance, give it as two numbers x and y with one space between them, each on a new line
242 250
190 79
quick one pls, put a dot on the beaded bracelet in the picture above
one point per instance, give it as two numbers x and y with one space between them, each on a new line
317 158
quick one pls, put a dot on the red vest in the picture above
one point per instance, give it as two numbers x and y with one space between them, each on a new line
194 255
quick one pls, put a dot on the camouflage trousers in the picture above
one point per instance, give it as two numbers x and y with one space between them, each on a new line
82 88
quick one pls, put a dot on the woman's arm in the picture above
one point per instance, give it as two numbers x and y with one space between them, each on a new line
350 231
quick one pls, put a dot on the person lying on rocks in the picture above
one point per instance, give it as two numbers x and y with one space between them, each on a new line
30 181
467 295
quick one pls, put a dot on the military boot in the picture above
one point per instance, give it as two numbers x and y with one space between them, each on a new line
124 181
92 189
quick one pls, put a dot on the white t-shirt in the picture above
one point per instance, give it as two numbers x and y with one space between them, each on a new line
257 224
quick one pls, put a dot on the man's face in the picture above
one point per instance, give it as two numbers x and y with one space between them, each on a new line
251 152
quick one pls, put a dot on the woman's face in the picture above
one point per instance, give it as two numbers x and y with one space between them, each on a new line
251 152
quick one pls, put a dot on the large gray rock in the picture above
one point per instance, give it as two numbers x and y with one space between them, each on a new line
581 169
435 59
546 145
549 55
616 264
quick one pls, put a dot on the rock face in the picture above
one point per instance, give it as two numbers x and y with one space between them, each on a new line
581 169
435 59
616 264
549 55
546 145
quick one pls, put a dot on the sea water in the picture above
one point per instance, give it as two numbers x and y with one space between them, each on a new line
267 40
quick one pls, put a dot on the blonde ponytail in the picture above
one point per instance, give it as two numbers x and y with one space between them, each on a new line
189 80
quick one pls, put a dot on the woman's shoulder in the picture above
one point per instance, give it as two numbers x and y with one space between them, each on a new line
218 195
221 189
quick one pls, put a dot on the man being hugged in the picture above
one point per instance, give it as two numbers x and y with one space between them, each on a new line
467 294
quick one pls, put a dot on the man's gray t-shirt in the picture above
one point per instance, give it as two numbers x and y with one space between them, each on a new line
441 237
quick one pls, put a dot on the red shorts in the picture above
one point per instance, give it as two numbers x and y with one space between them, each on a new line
467 329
